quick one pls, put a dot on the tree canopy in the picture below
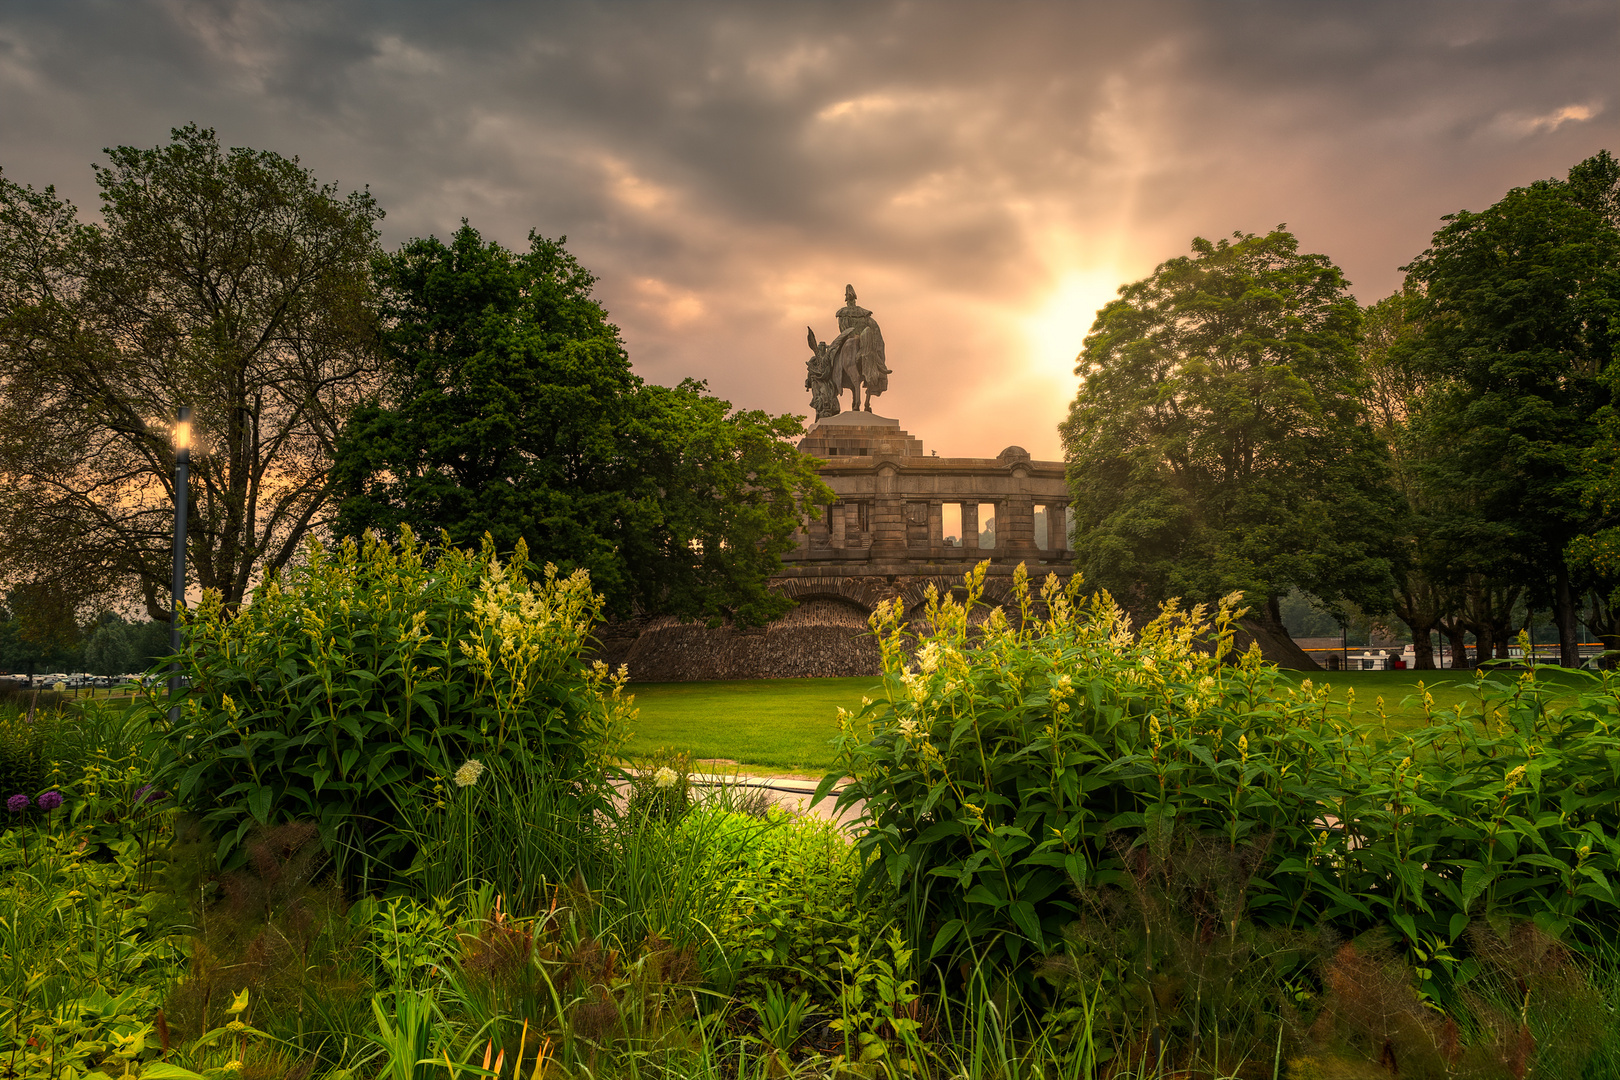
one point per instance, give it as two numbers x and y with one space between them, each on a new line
1219 441
510 408
230 281
1519 306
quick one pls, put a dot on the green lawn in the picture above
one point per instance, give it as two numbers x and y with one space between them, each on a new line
787 724
1402 701
783 724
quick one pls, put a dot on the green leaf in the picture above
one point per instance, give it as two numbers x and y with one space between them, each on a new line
258 802
162 1070
980 894
944 937
1023 914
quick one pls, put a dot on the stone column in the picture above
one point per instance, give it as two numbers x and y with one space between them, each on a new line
836 522
1016 535
970 526
936 526
888 517
816 536
1057 531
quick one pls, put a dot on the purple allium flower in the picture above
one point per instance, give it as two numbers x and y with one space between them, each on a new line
50 800
17 803
146 793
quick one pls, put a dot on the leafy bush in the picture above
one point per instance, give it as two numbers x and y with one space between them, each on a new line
23 762
45 738
1014 768
87 953
792 903
368 673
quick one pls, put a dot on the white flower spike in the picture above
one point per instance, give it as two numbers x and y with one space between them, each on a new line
468 774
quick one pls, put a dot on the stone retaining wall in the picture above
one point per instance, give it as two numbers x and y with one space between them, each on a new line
818 639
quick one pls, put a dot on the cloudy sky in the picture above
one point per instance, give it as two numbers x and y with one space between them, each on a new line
985 174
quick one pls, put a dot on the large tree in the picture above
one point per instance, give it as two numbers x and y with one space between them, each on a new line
232 282
511 408
1519 304
37 629
1219 441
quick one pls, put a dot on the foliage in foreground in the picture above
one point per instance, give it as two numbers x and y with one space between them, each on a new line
539 929
266 972
1039 785
372 674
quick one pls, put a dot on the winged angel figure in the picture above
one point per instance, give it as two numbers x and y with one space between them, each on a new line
852 360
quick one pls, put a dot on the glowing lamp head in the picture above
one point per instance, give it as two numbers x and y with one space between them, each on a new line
182 428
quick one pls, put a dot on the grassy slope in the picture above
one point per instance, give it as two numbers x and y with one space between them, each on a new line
786 724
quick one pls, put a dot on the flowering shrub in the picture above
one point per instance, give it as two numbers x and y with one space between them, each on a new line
370 674
1012 770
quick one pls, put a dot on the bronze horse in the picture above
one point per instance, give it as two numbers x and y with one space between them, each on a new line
836 368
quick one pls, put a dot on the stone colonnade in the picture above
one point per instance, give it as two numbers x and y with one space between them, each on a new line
892 500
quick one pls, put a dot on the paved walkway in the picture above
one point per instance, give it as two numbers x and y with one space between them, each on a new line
792 793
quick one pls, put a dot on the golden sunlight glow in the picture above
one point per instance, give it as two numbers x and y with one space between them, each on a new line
1056 331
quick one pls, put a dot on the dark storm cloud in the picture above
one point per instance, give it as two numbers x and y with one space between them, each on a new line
985 174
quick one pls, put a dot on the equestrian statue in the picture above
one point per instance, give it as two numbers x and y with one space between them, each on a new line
850 361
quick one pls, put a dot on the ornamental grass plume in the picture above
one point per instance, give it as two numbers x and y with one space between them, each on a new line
17 803
468 774
50 800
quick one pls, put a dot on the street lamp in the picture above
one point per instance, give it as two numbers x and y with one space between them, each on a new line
182 466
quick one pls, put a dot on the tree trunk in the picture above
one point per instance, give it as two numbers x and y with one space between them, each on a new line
1500 615
1603 622
1263 626
1459 648
1422 649
1484 640
1569 651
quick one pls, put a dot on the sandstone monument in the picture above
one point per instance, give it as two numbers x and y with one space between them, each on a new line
903 519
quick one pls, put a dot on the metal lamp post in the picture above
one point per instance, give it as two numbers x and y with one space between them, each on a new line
182 466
